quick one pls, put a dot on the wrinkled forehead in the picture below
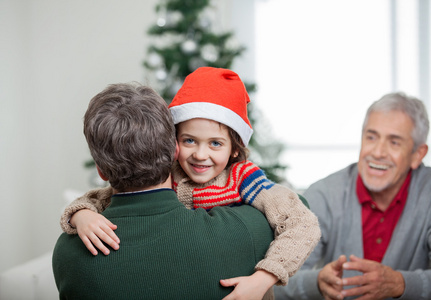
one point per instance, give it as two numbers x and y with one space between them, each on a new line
389 123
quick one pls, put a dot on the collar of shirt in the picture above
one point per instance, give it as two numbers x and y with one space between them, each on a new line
377 225
364 196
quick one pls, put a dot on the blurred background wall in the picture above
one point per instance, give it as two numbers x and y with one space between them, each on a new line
54 56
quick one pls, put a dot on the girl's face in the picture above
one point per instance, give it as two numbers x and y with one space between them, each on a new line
205 148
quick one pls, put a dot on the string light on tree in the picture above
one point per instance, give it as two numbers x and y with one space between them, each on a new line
189 46
210 53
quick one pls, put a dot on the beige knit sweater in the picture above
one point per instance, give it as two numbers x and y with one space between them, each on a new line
296 228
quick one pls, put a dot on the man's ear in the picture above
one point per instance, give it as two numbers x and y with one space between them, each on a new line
418 156
101 174
177 150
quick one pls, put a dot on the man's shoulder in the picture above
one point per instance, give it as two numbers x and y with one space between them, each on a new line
339 177
421 179
332 189
67 249
423 171
249 218
241 213
68 243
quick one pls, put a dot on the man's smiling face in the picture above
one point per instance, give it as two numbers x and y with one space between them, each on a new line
387 151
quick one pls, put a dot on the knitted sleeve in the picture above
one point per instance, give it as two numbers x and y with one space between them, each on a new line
296 228
96 200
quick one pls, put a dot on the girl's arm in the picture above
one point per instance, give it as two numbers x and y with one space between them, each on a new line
296 228
296 234
96 200
296 231
82 217
250 287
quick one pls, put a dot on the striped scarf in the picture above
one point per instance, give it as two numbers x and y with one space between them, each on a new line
241 183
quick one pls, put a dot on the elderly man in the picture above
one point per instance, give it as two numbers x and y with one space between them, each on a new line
375 215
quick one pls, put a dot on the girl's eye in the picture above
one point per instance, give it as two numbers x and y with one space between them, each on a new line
189 141
215 144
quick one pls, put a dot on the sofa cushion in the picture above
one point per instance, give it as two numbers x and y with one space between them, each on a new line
31 280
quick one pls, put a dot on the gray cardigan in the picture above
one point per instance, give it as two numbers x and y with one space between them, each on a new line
334 201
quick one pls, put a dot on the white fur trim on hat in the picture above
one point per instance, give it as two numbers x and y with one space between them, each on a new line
211 111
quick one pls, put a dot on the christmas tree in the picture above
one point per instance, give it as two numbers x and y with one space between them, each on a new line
184 41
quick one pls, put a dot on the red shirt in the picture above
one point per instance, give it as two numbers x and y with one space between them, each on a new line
377 225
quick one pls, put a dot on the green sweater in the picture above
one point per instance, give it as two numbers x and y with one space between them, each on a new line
166 251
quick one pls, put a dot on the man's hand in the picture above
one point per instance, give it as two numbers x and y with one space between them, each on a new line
329 279
251 287
377 281
94 228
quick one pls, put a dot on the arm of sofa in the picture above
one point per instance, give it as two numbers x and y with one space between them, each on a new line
31 280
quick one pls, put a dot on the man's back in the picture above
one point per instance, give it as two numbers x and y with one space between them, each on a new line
166 251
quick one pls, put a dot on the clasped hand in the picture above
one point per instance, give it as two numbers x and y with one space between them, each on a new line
376 282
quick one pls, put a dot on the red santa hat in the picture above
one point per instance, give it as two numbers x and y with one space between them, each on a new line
216 94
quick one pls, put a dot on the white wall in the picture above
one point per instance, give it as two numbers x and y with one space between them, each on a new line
54 56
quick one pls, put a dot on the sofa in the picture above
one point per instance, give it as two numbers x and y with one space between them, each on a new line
33 280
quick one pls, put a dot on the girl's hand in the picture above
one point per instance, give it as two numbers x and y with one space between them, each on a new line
251 287
94 228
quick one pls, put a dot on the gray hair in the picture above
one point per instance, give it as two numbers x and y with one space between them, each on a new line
411 106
